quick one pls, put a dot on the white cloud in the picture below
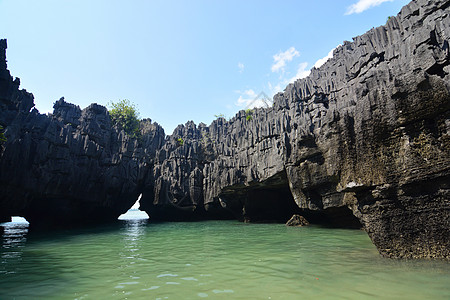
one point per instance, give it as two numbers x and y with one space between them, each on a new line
248 99
280 59
363 5
302 72
241 67
278 88
275 89
324 59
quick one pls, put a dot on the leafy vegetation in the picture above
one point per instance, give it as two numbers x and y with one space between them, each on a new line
2 136
125 115
180 142
218 116
248 114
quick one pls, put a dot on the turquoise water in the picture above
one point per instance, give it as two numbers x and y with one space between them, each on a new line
136 259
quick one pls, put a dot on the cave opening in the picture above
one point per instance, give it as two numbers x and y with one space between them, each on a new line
272 201
16 220
269 204
134 213
334 217
19 219
14 230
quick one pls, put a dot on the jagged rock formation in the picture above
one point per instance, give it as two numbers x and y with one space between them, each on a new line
368 131
69 167
363 141
297 221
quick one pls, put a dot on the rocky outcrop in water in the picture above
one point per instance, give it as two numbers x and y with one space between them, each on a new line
363 141
297 221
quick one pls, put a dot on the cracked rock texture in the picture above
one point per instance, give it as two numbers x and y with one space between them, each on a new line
70 167
363 141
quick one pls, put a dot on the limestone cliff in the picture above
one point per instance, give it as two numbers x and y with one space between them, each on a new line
368 131
71 166
363 141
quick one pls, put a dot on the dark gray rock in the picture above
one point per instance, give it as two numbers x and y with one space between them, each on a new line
363 141
366 132
297 221
70 167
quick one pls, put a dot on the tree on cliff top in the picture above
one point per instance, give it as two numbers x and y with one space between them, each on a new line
125 115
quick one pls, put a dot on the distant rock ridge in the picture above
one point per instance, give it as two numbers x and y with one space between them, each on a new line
364 141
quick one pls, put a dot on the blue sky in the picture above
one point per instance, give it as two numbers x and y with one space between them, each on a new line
176 60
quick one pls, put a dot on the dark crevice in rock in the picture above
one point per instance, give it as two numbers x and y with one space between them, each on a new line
337 217
438 69
445 5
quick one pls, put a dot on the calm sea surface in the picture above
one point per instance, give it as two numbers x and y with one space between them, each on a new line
136 259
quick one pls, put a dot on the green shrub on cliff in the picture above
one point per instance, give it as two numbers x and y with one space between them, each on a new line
248 114
2 136
125 115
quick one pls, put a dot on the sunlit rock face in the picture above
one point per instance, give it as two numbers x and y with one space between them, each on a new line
368 131
363 141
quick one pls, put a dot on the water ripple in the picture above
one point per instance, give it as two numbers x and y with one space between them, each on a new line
167 275
141 260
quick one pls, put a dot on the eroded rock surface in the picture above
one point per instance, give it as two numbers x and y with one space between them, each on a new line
368 131
71 167
297 221
364 140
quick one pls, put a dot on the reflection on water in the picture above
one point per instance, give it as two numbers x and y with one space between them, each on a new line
134 229
135 259
13 240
